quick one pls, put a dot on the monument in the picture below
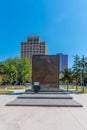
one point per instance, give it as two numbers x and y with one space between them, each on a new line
45 70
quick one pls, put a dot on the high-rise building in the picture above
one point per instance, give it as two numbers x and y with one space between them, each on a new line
85 59
33 46
63 59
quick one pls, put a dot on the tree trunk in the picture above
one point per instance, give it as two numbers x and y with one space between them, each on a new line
76 87
67 87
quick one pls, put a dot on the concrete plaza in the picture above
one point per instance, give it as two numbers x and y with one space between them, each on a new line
43 118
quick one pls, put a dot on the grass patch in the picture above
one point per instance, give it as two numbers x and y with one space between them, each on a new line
2 91
15 87
79 88
8 89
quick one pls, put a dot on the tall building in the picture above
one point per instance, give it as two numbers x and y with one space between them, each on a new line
33 46
63 59
85 58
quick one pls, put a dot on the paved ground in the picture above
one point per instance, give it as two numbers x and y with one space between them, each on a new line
51 100
43 118
45 96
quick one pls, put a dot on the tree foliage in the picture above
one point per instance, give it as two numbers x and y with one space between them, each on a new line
76 67
16 70
80 68
67 76
78 73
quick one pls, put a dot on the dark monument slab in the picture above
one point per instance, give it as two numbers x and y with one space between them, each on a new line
45 69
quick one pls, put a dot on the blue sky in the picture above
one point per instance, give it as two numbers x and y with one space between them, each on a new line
61 23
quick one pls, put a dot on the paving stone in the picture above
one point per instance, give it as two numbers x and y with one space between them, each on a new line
45 96
45 102
42 92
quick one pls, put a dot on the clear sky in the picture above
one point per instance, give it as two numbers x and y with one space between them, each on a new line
61 23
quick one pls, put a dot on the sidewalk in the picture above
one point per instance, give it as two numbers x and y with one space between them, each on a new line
43 118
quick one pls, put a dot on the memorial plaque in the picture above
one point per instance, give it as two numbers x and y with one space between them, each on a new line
45 69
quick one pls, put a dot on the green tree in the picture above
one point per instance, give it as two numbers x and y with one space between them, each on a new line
67 76
17 70
10 70
76 69
24 70
83 68
3 76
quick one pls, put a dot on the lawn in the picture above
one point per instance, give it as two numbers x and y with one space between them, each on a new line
15 87
73 87
8 89
3 91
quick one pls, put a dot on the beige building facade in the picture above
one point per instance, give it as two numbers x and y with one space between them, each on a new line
33 46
